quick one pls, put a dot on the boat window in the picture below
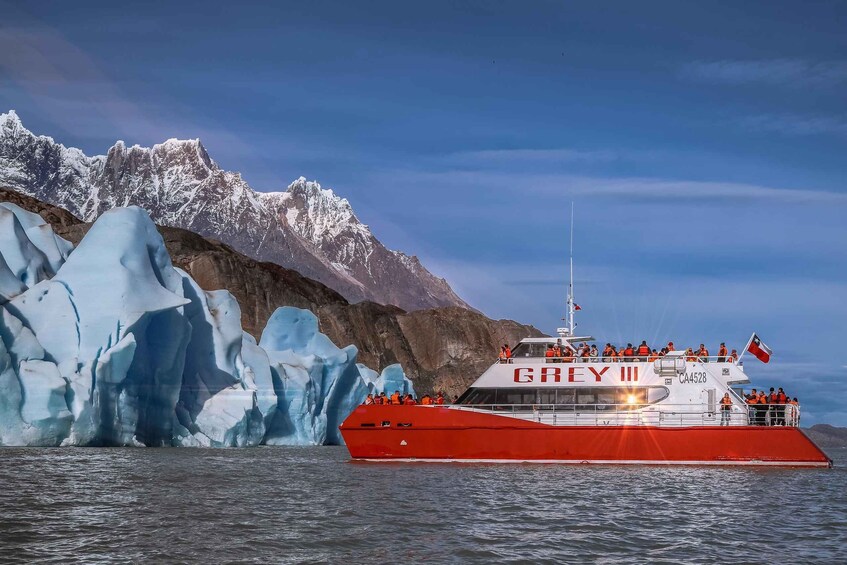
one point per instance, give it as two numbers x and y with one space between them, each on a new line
586 398
509 396
606 396
479 396
657 393
547 397
565 396
631 396
530 350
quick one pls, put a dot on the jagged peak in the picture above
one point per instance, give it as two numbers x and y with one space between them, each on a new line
11 118
312 191
186 146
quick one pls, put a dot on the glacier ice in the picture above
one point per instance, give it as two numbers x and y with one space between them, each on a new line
110 344
392 378
29 250
318 384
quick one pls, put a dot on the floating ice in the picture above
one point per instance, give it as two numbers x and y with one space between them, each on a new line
109 344
318 384
390 380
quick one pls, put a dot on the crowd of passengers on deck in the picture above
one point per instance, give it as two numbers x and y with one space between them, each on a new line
407 399
775 408
566 353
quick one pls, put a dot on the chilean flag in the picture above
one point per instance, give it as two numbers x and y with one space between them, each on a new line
576 307
759 349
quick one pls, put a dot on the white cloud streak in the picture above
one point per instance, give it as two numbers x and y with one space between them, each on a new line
789 124
626 187
798 73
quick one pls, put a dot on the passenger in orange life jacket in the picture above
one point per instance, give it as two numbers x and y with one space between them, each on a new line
752 412
654 355
426 400
439 399
629 351
607 351
505 354
734 356
550 354
722 353
643 350
726 409
409 399
395 398
703 353
670 346
557 353
383 398
689 355
773 412
762 407
369 400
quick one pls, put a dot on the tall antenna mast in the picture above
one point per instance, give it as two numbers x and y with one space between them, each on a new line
571 324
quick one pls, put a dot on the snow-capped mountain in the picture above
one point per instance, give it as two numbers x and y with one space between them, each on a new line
305 228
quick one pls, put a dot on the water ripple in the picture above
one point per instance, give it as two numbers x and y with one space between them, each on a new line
312 505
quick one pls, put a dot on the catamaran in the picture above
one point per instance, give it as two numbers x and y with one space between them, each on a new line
574 409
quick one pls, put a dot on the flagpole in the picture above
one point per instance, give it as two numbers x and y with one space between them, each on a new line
746 347
570 287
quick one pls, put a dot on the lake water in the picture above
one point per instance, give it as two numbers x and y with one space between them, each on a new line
312 505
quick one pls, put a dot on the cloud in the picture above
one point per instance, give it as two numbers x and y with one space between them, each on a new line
798 73
790 124
632 188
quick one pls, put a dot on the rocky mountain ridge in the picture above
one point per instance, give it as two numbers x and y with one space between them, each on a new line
440 349
306 227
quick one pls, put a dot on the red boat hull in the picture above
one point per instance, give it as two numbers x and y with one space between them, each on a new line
439 433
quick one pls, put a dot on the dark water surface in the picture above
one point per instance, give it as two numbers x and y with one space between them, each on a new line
286 505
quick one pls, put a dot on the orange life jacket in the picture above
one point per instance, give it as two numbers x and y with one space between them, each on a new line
781 398
439 400
773 398
550 353
763 399
369 400
628 352
426 400
508 353
653 357
726 401
722 352
643 350
395 398
410 401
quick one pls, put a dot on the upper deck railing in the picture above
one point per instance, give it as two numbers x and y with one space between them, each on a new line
615 359
661 414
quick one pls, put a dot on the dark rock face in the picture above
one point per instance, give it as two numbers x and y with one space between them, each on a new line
305 228
827 437
440 349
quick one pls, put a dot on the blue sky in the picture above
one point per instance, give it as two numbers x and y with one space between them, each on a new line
703 145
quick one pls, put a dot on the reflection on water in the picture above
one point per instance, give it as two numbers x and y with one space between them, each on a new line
314 505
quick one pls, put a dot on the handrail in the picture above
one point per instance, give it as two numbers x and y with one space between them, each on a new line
641 414
616 359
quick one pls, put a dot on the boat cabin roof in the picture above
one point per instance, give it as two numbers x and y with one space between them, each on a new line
554 340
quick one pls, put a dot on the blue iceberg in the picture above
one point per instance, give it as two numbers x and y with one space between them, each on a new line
110 344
